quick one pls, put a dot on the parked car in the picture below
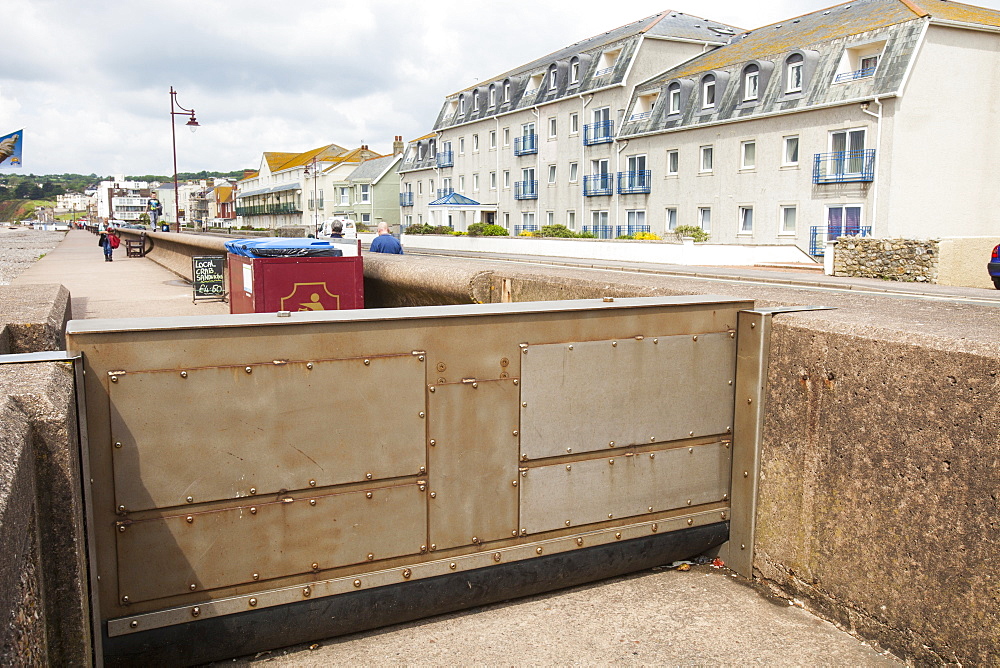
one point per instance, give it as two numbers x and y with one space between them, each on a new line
994 267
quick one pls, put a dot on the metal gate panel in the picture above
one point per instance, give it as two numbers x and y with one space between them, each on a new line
275 538
473 453
192 435
623 484
599 395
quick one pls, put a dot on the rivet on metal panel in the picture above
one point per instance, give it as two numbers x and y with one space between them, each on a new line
190 519
432 388
611 462
256 576
309 366
133 624
689 502
690 521
433 442
694 338
253 490
749 400
652 439
371 556
649 509
312 502
307 591
441 366
514 432
743 546
524 351
570 450
407 573
114 379
252 602
579 541
368 362
496 556
192 586
249 369
420 414
357 583
190 499
423 488
121 509
125 600
514 532
570 346
746 474
434 495
475 385
524 455
652 455
423 469
421 358
732 335
655 527
730 382
729 430
368 495
618 535
568 523
691 449
312 483
753 325
524 532
514 483
725 497
517 382
433 546
723 514
656 340
611 516
504 362
569 467
253 510
614 344
538 550
611 444
475 539
118 444
184 374
368 475
453 565
524 474
315 566
524 404
195 611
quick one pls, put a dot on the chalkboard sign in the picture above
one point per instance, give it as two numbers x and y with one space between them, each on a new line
208 272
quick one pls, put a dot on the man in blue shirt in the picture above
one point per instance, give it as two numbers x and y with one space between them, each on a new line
385 242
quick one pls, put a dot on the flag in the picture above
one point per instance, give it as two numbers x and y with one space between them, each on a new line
10 149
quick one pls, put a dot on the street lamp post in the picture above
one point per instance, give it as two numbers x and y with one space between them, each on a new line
311 169
193 124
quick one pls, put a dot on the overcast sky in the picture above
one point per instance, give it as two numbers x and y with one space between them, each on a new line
89 81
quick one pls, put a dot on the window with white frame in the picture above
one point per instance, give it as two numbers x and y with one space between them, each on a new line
409 220
366 218
705 218
461 146
493 180
670 223
430 186
708 92
553 79
475 143
635 219
506 178
746 219
673 162
859 61
420 190
345 194
446 185
475 100
571 219
493 139
506 91
598 219
527 219
674 98
461 183
789 214
461 105
751 82
748 155
707 157
574 123
550 217
506 220
506 136
552 128
790 151
493 95
848 151
574 71
475 183
573 172
793 73
552 174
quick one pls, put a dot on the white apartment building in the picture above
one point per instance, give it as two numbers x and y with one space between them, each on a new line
74 202
122 200
839 122
519 146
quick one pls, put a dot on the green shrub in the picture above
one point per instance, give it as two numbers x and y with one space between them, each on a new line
696 233
557 231
426 228
485 230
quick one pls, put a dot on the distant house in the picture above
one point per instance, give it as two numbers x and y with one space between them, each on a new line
120 199
369 193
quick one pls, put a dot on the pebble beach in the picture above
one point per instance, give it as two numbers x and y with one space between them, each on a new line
22 247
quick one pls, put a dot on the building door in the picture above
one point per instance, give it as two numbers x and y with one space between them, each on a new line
849 147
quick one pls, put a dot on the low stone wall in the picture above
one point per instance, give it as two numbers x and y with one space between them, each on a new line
889 259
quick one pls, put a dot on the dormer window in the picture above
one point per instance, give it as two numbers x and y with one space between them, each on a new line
553 79
751 83
506 90
859 62
793 73
574 71
608 60
674 98
493 95
535 83
461 105
475 100
708 92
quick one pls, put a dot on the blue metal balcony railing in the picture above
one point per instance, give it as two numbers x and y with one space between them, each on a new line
820 234
601 132
857 74
600 231
524 228
443 192
406 199
844 166
446 159
526 190
526 145
598 184
602 72
634 182
642 115
529 93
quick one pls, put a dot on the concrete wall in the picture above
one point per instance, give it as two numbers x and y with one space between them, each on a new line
44 601
963 261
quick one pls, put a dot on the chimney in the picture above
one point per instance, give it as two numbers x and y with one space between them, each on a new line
397 145
247 173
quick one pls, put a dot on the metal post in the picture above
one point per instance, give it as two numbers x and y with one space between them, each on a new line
192 123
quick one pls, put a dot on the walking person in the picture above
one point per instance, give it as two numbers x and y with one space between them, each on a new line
109 242
385 242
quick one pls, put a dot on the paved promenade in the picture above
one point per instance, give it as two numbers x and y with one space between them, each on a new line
704 616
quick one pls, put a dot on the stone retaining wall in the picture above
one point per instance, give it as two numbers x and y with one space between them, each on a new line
890 259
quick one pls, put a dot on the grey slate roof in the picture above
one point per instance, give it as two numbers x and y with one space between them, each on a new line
369 170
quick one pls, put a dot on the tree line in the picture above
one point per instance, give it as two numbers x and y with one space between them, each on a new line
48 186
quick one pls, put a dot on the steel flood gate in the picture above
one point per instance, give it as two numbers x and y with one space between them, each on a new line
246 467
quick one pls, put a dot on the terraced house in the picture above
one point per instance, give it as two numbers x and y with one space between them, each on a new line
518 147
871 117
